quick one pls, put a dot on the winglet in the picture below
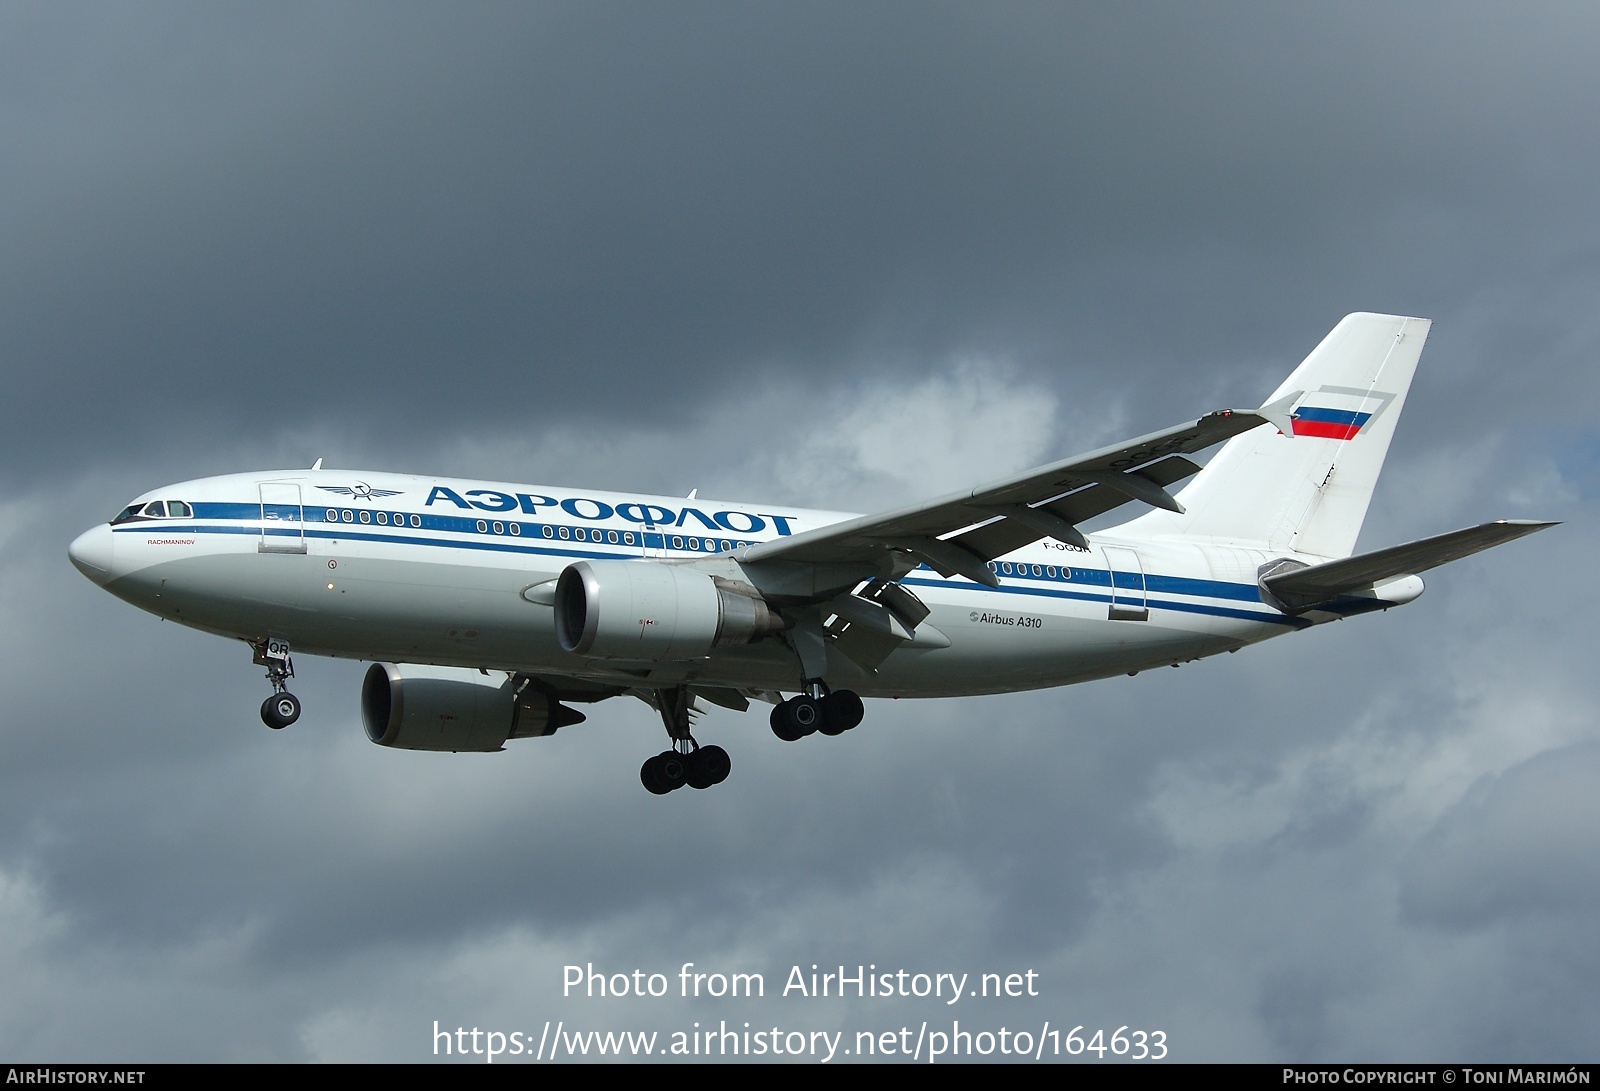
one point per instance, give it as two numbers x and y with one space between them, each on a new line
1279 413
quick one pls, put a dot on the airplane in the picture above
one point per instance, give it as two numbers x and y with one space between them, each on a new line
489 610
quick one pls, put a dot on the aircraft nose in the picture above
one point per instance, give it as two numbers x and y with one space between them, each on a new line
91 553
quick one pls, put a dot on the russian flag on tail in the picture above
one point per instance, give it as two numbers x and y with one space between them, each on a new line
1327 423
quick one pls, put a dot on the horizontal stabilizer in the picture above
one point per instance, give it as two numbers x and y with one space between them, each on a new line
1302 588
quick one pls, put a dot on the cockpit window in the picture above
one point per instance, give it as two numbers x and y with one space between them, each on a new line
155 509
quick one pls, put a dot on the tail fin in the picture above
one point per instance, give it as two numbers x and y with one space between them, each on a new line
1307 491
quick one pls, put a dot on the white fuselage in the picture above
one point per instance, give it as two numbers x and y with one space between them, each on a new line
404 569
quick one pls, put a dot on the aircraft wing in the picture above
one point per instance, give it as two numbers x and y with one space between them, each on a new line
961 532
1300 589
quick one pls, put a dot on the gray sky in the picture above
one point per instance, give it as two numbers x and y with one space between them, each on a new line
841 255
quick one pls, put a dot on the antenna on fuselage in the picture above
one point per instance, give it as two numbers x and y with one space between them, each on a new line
317 465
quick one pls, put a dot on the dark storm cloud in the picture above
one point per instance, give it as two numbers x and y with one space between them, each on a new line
1512 846
243 220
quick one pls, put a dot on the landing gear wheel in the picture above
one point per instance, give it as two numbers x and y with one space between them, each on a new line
841 710
664 772
280 710
781 725
796 718
686 761
651 778
673 769
707 766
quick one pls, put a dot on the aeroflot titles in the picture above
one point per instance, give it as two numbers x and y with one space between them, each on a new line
582 507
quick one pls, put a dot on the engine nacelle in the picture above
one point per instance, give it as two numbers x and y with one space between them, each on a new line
451 708
652 611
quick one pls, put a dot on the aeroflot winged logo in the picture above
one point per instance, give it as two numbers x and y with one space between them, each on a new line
359 491
1337 412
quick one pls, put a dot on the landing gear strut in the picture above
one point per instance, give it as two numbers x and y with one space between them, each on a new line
815 707
832 712
282 708
686 762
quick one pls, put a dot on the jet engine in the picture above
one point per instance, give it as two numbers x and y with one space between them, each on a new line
450 708
651 611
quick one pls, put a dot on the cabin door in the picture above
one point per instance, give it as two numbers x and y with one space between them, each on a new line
1127 584
283 528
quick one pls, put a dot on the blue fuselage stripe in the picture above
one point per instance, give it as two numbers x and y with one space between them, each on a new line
541 539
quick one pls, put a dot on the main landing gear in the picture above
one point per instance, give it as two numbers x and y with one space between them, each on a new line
686 762
700 767
817 709
282 708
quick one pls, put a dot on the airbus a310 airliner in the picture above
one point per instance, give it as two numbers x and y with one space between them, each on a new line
488 610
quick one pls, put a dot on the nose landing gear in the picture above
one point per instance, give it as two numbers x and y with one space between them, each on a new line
282 708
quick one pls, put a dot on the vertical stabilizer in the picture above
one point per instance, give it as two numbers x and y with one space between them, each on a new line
1307 491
